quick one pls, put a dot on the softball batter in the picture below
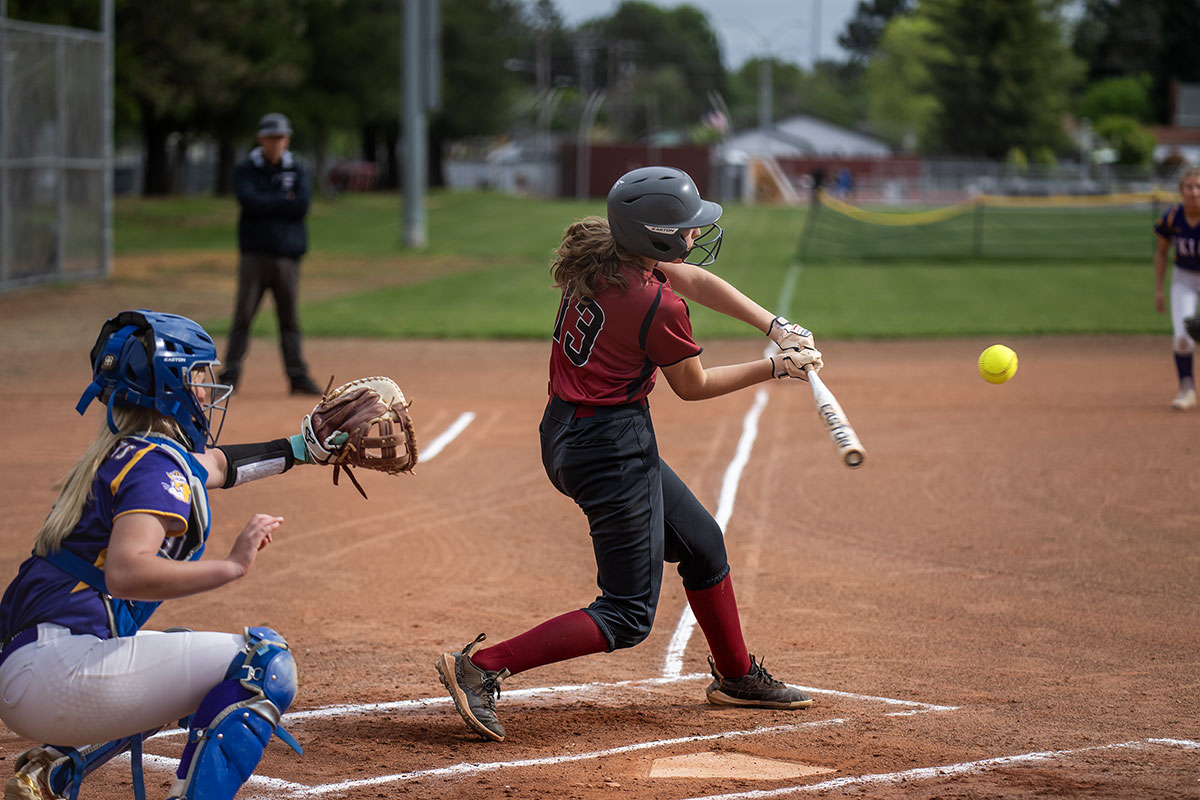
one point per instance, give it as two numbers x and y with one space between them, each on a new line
126 533
621 322
1179 229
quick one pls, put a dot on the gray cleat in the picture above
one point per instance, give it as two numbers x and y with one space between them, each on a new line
754 690
474 690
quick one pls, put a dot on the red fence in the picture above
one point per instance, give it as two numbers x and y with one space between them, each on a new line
607 162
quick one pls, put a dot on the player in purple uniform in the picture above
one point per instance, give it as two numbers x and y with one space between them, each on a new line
126 533
1179 229
621 322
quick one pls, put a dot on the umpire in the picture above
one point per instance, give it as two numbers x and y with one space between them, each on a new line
274 192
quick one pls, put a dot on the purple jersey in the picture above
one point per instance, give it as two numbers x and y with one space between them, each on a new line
139 476
1184 238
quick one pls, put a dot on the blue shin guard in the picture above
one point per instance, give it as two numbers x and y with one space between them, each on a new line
234 722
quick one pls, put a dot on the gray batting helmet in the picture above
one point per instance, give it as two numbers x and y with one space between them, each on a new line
650 208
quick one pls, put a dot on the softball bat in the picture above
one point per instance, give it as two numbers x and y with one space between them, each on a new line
845 440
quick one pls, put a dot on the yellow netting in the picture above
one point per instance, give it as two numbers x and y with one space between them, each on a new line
930 216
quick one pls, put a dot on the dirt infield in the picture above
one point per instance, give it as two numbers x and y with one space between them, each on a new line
1002 602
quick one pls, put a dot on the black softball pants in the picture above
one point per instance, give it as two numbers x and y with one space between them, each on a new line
641 514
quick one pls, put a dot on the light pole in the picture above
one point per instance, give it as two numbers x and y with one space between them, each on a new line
766 82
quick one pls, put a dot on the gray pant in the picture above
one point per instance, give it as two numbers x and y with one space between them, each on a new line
258 272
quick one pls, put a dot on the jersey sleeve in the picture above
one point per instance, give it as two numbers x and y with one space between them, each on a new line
1163 226
151 482
669 335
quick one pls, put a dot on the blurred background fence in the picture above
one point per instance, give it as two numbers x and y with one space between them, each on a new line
55 152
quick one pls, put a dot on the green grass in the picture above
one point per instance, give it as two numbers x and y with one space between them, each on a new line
503 246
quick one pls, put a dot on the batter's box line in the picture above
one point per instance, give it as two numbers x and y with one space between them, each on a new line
273 787
363 709
946 771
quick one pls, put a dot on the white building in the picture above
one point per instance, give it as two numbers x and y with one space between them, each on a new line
802 136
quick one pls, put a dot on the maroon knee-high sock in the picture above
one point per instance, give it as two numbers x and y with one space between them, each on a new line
568 636
716 611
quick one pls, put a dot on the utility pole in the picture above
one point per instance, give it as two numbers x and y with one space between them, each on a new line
816 32
422 59
765 92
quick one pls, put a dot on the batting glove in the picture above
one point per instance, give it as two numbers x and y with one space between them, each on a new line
790 336
792 363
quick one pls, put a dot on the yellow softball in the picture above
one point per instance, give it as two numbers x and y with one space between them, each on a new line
997 364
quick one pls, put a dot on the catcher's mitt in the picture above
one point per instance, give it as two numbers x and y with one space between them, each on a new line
1192 326
363 423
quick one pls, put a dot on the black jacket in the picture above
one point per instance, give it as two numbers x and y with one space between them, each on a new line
274 199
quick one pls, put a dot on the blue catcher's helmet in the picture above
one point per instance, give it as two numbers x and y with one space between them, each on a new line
148 359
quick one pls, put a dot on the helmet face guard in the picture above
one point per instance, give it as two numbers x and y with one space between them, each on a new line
708 243
651 209
147 359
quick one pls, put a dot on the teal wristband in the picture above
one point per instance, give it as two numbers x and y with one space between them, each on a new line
299 450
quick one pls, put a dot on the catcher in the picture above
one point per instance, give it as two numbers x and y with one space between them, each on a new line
126 533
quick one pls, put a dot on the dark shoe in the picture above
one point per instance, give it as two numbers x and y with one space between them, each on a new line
473 690
228 379
305 385
755 690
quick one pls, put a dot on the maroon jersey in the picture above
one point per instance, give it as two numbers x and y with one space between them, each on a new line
607 349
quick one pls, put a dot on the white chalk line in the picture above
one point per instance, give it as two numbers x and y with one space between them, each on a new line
948 770
673 664
573 692
295 789
449 435
854 781
468 768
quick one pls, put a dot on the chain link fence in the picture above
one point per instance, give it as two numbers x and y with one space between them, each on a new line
55 152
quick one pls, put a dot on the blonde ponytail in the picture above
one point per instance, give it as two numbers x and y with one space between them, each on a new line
76 486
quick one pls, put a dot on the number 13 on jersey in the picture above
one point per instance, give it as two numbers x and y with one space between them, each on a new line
579 323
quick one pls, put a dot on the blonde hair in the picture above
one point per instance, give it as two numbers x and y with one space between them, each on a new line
76 486
1190 172
589 260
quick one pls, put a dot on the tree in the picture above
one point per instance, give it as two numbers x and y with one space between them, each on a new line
352 90
200 67
900 101
1127 37
1133 144
1118 37
865 29
640 41
478 93
1179 29
1126 95
829 91
1001 72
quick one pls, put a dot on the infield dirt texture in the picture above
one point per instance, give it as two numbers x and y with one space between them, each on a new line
1002 602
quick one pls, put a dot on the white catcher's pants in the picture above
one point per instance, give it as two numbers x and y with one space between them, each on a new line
79 690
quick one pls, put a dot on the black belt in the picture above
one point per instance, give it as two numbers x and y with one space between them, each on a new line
581 411
23 637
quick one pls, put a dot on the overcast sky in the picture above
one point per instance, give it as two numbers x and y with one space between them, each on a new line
791 30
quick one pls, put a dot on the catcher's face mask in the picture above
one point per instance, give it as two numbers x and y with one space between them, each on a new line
211 395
